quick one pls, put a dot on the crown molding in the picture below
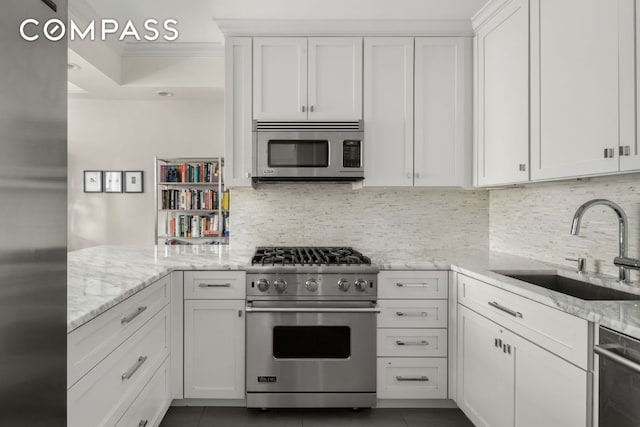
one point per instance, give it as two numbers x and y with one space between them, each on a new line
487 12
344 27
170 49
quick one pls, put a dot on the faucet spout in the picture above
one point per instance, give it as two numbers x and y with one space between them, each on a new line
623 272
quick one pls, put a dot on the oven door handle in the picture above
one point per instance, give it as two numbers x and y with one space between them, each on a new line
603 350
251 309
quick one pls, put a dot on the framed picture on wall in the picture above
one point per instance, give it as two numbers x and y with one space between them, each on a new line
93 181
113 181
133 182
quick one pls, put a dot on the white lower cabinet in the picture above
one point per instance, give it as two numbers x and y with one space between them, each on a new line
412 378
505 380
151 404
412 335
214 349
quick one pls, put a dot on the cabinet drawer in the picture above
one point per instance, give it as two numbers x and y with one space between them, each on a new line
152 402
92 342
101 397
412 378
214 285
412 342
413 284
412 314
563 334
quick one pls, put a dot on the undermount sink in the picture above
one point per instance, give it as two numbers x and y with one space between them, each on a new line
575 288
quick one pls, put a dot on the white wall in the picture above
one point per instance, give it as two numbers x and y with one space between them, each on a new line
371 220
535 221
126 135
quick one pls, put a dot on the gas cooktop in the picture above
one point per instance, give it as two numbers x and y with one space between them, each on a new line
308 256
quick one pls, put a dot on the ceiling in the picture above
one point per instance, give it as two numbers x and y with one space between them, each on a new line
117 69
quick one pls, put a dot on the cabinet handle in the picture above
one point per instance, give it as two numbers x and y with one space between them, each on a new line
129 318
624 150
304 109
413 285
127 375
608 153
214 285
412 314
498 342
422 378
311 109
505 309
239 313
522 167
423 342
143 423
417 175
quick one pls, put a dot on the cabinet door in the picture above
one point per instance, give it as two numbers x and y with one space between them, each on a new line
502 106
549 390
280 78
576 82
630 146
443 143
238 129
335 78
485 371
214 349
388 111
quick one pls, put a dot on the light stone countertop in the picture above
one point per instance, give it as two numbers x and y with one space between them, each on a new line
101 277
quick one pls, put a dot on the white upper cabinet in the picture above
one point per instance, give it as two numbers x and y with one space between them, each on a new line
388 111
502 90
443 109
297 79
279 78
335 78
417 135
237 100
582 85
630 150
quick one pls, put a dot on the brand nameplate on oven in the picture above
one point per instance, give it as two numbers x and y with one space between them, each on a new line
267 379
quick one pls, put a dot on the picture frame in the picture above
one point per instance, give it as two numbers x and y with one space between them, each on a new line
93 181
133 181
112 181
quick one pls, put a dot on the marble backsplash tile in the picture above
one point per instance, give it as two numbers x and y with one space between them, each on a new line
534 221
372 220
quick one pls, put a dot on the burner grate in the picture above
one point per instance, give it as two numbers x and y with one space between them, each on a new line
302 255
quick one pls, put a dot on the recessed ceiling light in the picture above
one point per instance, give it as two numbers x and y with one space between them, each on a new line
164 93
73 67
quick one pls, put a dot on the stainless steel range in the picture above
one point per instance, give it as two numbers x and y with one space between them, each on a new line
311 328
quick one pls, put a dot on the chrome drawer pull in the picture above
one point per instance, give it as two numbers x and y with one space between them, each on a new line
143 423
215 285
423 342
413 285
129 318
127 375
250 309
505 309
412 314
422 378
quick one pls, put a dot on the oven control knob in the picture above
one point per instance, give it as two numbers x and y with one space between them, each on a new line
361 285
312 285
263 285
344 285
280 285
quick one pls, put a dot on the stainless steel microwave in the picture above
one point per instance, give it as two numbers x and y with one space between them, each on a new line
308 151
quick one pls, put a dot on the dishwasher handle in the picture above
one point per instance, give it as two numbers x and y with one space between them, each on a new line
604 350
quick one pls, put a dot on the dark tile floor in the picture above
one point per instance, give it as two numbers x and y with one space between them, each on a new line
242 417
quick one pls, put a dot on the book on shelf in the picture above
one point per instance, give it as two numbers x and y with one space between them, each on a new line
190 199
203 172
190 226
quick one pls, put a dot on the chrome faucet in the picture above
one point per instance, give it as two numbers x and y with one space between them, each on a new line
621 260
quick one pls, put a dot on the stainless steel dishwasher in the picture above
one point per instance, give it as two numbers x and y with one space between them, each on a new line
619 379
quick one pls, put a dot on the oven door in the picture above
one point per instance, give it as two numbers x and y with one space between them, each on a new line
308 155
311 347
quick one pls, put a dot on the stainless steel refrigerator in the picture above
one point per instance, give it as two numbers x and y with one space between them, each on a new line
33 209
